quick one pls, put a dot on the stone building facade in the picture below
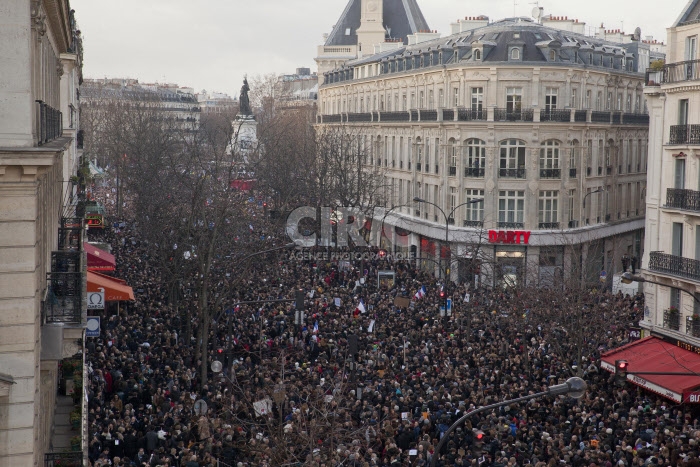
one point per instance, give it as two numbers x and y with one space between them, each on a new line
40 49
507 131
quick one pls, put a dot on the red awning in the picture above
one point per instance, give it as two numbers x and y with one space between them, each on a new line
115 289
653 355
99 260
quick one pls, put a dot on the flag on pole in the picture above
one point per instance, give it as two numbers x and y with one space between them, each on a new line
360 308
316 327
420 294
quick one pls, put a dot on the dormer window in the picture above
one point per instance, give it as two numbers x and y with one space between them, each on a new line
440 58
552 55
422 61
515 54
477 55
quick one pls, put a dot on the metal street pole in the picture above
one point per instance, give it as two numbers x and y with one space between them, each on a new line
574 387
628 278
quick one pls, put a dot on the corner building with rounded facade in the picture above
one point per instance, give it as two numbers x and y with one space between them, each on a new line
548 127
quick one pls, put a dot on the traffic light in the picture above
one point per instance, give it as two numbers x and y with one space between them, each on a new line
299 299
219 350
621 371
478 441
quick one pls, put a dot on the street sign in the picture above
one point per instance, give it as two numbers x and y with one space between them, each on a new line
96 300
603 276
93 326
449 307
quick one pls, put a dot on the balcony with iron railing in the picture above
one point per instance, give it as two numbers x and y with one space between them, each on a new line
692 326
473 224
474 172
509 115
550 173
674 73
511 225
555 115
684 134
453 171
572 172
687 200
672 319
63 459
672 265
467 115
549 225
49 123
511 173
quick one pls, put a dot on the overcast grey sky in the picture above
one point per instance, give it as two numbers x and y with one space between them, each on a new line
211 44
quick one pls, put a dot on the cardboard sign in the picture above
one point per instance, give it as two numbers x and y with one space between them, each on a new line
402 302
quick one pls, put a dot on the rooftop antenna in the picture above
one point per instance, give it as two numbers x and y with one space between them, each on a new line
514 5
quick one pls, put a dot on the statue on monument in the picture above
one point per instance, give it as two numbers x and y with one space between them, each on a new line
244 101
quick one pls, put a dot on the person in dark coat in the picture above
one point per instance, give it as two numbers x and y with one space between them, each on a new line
151 440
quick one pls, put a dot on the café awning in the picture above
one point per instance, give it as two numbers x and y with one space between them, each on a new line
99 260
660 367
115 289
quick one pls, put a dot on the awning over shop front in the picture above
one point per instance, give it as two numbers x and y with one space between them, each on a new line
99 260
115 289
675 370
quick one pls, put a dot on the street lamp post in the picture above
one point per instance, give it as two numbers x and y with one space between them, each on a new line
574 387
447 218
628 278
599 190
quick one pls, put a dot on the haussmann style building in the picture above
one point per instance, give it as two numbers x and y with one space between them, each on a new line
526 136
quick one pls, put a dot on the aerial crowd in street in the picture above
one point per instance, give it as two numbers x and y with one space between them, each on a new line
305 394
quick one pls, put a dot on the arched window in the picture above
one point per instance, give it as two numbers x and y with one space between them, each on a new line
552 55
477 54
512 160
549 160
440 58
515 54
474 157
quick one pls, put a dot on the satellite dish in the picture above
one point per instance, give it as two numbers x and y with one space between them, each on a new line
216 366
536 12
200 407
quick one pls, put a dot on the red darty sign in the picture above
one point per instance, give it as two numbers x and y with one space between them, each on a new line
510 237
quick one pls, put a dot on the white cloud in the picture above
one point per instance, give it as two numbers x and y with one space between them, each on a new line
211 44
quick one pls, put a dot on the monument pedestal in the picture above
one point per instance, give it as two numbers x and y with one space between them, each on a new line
244 142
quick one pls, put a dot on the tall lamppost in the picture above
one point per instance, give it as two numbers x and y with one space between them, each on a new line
574 387
447 218
599 190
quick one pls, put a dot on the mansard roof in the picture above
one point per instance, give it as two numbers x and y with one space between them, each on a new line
691 12
401 19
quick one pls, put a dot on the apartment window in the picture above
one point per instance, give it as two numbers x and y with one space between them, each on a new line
629 103
550 99
575 151
431 99
477 99
381 103
572 206
421 102
474 157
515 54
412 102
619 102
454 150
511 206
403 102
514 99
453 200
588 99
549 159
683 112
477 54
512 157
437 155
677 239
419 154
599 101
679 174
691 48
455 97
552 55
473 212
427 155
574 98
637 102
548 208
441 98
608 103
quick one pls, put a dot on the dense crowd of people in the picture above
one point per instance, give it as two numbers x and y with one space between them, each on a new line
365 380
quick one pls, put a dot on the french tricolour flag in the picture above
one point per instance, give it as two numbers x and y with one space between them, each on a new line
420 294
316 327
361 307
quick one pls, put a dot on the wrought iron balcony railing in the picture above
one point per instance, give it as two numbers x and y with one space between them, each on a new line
580 116
692 326
573 224
63 459
572 172
474 224
511 225
511 173
394 116
684 134
448 115
474 172
550 173
64 299
672 319
453 171
428 115
600 117
555 115
506 115
49 123
675 73
359 117
466 115
549 225
674 265
683 199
